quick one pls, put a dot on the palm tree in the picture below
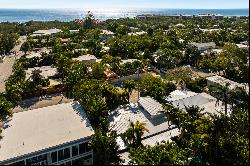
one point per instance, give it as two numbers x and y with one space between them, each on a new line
133 136
221 93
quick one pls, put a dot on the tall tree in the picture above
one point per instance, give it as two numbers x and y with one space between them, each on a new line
105 148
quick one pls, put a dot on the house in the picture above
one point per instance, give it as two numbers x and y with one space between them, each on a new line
158 128
151 106
244 46
218 80
203 46
210 30
34 55
46 71
123 61
46 32
106 34
137 33
186 98
74 31
86 58
53 135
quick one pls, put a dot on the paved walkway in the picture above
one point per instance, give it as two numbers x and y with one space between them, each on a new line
6 66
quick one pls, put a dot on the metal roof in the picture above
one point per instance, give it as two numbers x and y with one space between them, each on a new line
150 105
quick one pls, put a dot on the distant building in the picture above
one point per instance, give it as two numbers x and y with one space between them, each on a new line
86 58
137 33
123 61
209 30
218 80
46 32
182 98
212 16
46 71
74 31
53 135
34 55
203 46
241 45
106 34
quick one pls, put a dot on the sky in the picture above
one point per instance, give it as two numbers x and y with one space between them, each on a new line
104 4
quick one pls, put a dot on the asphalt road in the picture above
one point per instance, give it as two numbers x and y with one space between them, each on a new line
6 65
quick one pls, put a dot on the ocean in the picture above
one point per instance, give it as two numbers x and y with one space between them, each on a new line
24 15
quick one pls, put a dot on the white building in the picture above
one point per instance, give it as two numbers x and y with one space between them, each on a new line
123 61
137 33
74 31
203 46
86 58
46 32
53 135
46 71
183 98
218 80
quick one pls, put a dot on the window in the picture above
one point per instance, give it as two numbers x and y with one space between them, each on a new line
68 163
66 153
82 148
28 161
60 155
54 157
18 163
87 157
87 147
75 150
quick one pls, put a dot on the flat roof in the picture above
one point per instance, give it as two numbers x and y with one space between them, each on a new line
209 44
34 54
128 60
87 57
46 32
47 71
42 128
107 32
150 105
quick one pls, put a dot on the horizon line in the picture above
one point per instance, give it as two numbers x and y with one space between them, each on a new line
117 8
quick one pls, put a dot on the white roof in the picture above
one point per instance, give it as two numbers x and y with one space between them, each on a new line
42 128
137 33
150 105
87 57
47 71
107 32
178 94
161 138
128 60
242 45
120 121
209 44
209 30
46 32
34 54
181 99
222 81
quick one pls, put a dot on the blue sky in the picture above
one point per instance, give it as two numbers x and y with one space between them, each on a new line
104 4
